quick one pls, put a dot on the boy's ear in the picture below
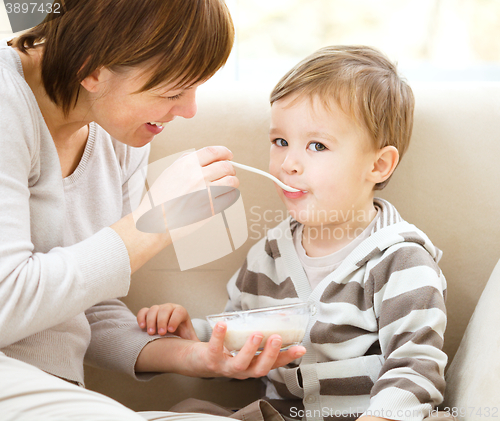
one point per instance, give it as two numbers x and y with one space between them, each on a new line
386 161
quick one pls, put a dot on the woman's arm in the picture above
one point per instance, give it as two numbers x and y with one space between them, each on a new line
116 337
210 359
140 246
43 284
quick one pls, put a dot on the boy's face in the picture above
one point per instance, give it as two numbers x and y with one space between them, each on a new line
327 156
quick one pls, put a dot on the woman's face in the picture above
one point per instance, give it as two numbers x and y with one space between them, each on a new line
132 117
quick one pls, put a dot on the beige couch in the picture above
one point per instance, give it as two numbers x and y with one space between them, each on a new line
447 184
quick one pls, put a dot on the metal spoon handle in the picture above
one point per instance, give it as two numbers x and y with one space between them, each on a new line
265 174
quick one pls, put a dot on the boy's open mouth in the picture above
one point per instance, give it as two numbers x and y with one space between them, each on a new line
294 195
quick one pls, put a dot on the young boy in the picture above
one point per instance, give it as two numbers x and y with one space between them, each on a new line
341 121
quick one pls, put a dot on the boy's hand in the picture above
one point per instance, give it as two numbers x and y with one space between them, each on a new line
171 318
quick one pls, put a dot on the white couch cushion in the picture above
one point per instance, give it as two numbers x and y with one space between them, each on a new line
473 379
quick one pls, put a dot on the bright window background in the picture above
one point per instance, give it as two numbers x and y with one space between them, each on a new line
429 39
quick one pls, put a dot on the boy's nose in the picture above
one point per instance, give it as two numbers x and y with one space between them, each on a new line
291 165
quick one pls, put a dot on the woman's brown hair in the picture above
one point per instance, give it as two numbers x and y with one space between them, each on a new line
183 41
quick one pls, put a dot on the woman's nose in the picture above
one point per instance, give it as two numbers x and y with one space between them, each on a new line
186 106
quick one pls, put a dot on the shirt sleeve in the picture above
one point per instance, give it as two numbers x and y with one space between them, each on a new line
409 302
40 289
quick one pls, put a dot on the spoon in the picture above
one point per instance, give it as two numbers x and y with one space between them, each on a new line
265 174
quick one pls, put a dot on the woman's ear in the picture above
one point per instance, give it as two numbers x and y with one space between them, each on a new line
93 82
386 160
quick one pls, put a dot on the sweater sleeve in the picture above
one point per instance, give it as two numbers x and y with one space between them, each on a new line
116 338
40 289
409 302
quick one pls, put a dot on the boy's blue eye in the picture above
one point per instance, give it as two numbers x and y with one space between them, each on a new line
316 147
280 142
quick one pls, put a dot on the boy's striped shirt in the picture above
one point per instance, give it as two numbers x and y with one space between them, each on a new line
374 342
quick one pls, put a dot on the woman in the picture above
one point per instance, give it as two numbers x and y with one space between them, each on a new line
82 95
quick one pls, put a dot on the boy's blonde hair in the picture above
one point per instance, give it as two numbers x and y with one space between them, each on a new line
366 86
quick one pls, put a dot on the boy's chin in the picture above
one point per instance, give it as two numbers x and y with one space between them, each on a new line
315 221
304 218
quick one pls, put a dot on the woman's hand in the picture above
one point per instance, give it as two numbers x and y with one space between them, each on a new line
210 169
217 361
216 171
211 359
190 173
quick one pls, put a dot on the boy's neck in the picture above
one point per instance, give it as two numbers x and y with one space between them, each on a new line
325 239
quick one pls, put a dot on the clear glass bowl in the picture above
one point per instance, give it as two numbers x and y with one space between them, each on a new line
289 321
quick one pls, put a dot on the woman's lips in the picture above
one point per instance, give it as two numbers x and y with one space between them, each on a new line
153 128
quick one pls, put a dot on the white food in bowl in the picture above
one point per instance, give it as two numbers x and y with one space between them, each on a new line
289 321
236 339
